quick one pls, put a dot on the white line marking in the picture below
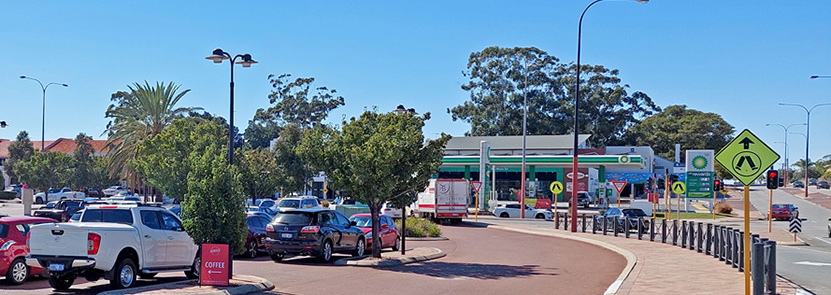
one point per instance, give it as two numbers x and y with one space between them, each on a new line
813 263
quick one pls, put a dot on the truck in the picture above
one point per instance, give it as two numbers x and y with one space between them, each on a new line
444 199
115 242
54 194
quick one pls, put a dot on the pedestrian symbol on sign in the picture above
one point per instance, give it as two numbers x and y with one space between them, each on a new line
679 187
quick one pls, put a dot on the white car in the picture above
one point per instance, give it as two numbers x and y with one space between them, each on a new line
391 211
301 202
54 194
114 190
513 211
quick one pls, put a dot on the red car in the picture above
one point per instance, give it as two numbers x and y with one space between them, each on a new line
13 249
390 235
784 211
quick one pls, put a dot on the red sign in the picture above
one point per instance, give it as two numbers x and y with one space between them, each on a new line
476 185
214 269
543 204
619 185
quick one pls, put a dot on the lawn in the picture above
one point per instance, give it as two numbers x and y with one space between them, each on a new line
691 215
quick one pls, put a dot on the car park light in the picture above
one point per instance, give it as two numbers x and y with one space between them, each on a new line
310 229
93 242
7 245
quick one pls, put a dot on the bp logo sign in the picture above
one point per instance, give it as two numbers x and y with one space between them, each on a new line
624 159
699 162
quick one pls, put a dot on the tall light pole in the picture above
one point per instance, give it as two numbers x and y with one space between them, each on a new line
245 60
807 134
819 76
43 121
786 146
576 130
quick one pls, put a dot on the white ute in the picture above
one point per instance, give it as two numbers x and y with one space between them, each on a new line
116 242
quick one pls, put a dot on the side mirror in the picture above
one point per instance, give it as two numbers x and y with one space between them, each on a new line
353 223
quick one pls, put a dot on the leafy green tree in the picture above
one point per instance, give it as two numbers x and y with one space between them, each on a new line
814 170
83 175
295 172
137 115
375 158
298 102
100 170
261 131
259 172
164 159
19 150
501 78
691 128
213 210
46 169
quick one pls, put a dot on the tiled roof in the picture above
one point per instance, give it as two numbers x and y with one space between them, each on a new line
64 145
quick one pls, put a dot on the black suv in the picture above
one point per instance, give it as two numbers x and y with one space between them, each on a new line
315 232
823 184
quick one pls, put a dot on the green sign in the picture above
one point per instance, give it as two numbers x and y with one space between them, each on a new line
746 157
700 184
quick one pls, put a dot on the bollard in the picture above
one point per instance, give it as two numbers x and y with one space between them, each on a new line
616 225
700 247
663 231
709 239
717 241
565 221
771 267
728 246
557 221
652 230
741 251
684 234
757 268
692 235
640 228
626 225
605 228
584 221
594 224
675 232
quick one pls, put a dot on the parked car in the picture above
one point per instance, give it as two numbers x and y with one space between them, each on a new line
823 184
315 232
301 202
812 181
784 212
255 240
391 211
77 216
512 211
54 194
93 193
390 234
116 242
13 251
798 184
114 190
61 211
584 199
617 217
14 188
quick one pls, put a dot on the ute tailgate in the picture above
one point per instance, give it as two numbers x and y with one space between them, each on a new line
58 239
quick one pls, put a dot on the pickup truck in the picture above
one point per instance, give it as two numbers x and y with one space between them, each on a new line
54 194
115 242
62 211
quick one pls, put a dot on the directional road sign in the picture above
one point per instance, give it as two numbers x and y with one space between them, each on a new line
325 190
556 187
619 185
796 225
476 185
746 157
679 187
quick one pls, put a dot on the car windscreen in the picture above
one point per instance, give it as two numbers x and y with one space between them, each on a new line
108 215
4 230
633 212
293 218
778 206
289 204
362 221
267 203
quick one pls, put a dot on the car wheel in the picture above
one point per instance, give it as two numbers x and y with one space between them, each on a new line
397 245
148 276
193 273
504 215
38 201
61 283
125 274
251 250
18 272
326 251
539 216
360 248
277 257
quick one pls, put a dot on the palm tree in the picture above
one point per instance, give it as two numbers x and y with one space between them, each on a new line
138 115
800 169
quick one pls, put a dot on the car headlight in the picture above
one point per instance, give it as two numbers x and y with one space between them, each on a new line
369 234
7 245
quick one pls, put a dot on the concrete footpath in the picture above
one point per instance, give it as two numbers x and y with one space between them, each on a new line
657 268
240 284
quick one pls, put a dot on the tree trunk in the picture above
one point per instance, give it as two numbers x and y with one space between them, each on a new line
374 210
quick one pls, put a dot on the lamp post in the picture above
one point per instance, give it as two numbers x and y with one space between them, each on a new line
819 76
43 121
576 130
786 146
807 134
245 60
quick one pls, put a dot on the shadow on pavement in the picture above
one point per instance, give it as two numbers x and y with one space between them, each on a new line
452 270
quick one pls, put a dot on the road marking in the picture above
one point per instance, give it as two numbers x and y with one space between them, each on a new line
822 240
813 263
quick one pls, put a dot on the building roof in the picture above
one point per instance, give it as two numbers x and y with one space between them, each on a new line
515 142
64 145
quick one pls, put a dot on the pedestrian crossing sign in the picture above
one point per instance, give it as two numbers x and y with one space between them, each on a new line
746 157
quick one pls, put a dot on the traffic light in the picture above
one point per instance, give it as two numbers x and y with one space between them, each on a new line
717 185
773 179
673 178
661 183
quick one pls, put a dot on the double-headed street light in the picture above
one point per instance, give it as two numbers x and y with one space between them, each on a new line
819 76
786 146
43 121
245 60
807 134
576 110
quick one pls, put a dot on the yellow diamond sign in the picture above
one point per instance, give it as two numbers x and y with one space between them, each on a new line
746 157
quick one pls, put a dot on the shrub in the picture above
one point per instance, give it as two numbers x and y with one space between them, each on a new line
723 208
7 195
417 227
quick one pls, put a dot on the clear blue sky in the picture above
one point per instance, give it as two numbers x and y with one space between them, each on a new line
735 58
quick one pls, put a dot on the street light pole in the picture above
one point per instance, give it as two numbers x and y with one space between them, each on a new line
807 134
819 76
786 146
573 206
217 57
43 120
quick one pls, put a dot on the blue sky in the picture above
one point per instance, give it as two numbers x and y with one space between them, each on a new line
737 58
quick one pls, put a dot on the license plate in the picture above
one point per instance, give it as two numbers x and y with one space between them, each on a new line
56 267
286 236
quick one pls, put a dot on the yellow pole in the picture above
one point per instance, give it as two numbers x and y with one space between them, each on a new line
746 239
770 209
794 237
679 207
477 207
555 206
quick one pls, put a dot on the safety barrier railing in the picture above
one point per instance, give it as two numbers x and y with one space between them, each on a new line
722 242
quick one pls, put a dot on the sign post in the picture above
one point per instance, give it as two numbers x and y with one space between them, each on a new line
679 188
215 265
476 186
619 185
746 157
556 188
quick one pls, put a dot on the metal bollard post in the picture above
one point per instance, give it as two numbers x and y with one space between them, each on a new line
740 250
557 221
605 221
692 235
675 232
757 264
728 246
709 239
640 228
584 221
717 241
771 267
615 225
565 221
684 234
594 224
652 230
626 225
663 231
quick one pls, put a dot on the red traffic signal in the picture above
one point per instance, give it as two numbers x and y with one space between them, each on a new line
773 174
717 182
773 179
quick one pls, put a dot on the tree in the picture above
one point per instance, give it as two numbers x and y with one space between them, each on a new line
83 175
137 115
101 175
19 150
375 158
814 170
213 210
261 131
259 172
164 159
691 128
500 78
296 102
46 169
293 167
